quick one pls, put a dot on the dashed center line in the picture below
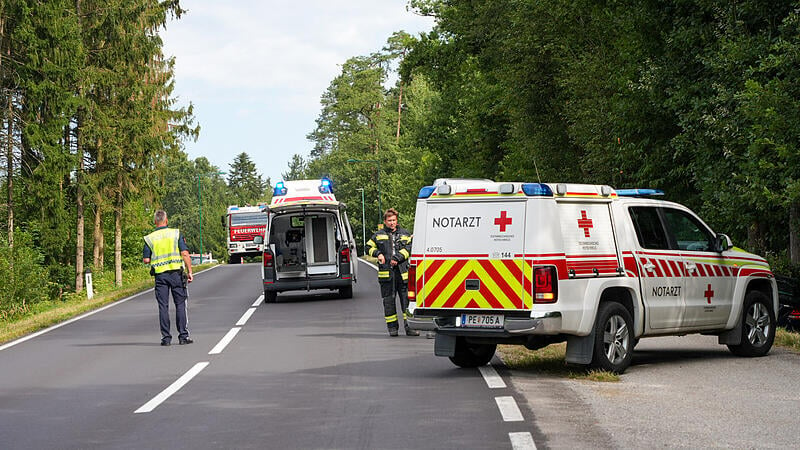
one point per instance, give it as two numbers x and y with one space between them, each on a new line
509 409
245 317
224 341
173 388
493 380
522 441
258 301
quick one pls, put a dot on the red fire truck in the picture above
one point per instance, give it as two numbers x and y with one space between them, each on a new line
243 224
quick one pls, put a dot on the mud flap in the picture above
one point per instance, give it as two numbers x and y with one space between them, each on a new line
444 345
732 337
580 349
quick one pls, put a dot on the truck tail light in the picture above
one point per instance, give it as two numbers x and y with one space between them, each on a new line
412 282
344 255
269 260
545 285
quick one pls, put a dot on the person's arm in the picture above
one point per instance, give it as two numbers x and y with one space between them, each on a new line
372 250
146 254
187 260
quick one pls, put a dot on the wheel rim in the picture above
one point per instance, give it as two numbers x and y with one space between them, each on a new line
757 324
616 341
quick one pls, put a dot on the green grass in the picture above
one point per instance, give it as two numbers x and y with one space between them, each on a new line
549 360
31 318
787 339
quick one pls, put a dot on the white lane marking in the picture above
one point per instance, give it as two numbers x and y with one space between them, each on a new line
173 388
522 441
245 317
224 341
259 300
509 409
493 380
369 263
82 316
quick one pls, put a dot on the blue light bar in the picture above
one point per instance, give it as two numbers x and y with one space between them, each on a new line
638 192
325 186
426 191
537 190
280 189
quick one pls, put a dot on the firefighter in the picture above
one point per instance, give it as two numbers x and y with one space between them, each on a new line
166 251
392 247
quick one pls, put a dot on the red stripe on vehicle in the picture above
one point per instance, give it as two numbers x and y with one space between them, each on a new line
509 292
443 283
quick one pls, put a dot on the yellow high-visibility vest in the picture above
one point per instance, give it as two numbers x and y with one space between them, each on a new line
164 245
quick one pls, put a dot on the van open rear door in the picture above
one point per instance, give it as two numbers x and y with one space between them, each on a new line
473 257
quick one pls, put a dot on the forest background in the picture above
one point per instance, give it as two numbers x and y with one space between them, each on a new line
698 98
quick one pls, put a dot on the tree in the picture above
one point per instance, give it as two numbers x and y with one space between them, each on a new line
297 168
244 181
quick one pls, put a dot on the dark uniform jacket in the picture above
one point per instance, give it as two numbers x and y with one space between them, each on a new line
393 246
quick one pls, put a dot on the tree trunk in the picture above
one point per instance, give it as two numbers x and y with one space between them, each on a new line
97 245
794 232
10 170
79 233
118 232
755 238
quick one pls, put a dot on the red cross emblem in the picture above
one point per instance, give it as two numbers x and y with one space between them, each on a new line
503 221
709 294
585 223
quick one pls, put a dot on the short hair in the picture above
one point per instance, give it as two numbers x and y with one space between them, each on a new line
160 216
389 213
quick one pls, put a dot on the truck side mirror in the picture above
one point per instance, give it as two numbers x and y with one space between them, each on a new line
722 243
258 240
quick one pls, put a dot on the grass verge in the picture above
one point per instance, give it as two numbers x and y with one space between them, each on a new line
550 360
44 314
787 339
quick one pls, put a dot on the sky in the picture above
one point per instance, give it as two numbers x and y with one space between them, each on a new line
255 70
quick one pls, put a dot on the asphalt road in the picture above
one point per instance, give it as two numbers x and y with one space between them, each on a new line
315 371
311 371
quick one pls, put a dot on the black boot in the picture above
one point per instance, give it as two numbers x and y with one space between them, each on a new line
410 332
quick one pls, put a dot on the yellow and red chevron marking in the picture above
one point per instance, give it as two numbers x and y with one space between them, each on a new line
504 284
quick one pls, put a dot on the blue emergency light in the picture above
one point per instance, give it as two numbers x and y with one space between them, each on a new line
280 189
639 192
325 186
537 190
426 191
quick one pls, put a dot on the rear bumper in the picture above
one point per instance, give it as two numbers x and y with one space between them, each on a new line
547 324
304 285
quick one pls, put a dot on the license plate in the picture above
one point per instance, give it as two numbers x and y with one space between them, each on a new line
480 321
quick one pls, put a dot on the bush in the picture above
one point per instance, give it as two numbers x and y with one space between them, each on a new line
23 279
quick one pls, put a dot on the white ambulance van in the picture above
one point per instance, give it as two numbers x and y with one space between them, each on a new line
309 241
534 264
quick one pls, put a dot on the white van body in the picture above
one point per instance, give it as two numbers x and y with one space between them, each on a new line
535 263
310 244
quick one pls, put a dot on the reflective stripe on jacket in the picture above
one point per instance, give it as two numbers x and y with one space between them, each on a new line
395 246
164 245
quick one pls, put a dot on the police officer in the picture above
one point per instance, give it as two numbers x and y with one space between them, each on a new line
166 251
392 247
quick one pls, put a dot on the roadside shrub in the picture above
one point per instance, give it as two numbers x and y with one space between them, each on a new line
23 279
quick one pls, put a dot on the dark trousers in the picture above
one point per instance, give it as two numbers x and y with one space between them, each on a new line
395 285
167 282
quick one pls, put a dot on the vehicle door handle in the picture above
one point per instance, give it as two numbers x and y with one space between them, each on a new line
649 267
691 267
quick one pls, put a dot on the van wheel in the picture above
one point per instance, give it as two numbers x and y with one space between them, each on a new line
613 338
346 292
472 355
758 326
270 296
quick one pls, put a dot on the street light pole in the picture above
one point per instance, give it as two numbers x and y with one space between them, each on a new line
363 223
378 178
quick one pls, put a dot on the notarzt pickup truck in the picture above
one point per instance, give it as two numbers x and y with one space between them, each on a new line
534 264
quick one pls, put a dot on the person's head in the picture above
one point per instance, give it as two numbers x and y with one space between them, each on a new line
160 218
390 218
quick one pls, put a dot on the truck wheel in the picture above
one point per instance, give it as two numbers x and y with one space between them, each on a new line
758 326
472 355
346 292
613 338
270 296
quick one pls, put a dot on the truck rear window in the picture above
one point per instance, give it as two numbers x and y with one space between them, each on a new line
248 219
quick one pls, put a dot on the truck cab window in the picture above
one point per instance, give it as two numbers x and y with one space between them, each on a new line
689 233
649 230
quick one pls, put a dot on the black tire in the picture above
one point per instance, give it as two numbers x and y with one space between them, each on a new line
613 338
270 296
758 326
346 292
472 355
